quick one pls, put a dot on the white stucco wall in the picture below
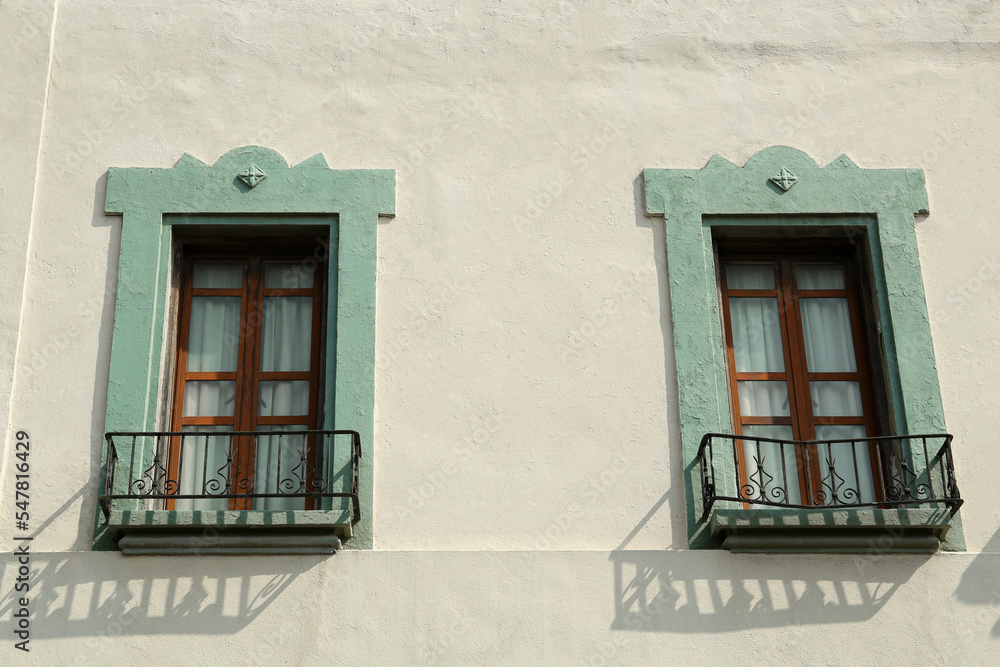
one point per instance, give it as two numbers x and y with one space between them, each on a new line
523 315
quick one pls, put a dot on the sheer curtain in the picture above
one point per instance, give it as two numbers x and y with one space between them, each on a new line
283 464
829 343
213 346
772 471
758 348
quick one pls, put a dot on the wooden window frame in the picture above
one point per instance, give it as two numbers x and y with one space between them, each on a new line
252 255
784 256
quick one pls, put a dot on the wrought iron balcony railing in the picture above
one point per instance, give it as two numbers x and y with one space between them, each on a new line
884 472
243 470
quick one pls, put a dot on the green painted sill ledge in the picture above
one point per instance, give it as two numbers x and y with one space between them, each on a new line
857 531
230 532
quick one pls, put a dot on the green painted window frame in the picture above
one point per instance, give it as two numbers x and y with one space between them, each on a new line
153 201
884 202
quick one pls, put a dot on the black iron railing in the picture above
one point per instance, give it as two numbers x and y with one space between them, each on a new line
231 469
893 471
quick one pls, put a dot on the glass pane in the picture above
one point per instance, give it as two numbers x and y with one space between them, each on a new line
209 398
836 399
763 399
214 334
771 471
218 276
756 335
820 277
205 468
287 337
288 276
282 466
826 329
845 468
749 276
278 398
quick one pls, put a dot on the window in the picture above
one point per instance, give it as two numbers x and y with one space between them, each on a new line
783 200
240 224
248 359
799 371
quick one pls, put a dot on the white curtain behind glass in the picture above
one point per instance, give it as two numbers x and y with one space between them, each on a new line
756 335
213 346
286 346
829 343
282 467
771 468
204 468
829 346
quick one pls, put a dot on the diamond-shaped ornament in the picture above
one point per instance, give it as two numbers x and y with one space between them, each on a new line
784 179
252 175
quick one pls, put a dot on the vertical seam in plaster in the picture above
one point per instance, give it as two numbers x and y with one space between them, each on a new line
27 245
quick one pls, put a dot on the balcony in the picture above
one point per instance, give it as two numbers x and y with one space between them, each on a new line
895 493
223 491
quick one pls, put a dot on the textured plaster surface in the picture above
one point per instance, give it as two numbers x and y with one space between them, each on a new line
525 393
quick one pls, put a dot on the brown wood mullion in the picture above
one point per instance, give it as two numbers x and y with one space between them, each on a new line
215 291
290 291
821 293
243 446
845 376
264 376
285 420
761 377
799 395
752 293
207 421
222 376
752 421
860 420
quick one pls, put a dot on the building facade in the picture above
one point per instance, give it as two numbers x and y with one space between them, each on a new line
511 264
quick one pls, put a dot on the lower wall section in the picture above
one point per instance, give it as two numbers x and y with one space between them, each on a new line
510 608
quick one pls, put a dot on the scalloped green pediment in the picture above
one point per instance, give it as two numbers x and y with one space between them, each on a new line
723 188
194 186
